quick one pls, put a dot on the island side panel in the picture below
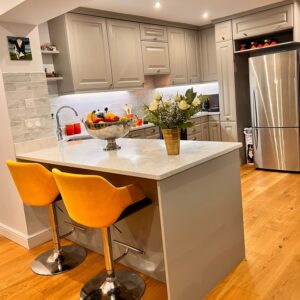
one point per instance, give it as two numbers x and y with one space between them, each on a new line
141 230
202 226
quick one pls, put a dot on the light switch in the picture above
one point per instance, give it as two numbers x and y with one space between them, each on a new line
29 103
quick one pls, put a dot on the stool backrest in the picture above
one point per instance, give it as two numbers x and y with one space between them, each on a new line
93 201
35 184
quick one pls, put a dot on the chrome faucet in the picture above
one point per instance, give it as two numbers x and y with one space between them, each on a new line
58 130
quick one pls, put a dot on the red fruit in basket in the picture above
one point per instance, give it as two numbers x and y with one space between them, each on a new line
108 120
97 120
116 119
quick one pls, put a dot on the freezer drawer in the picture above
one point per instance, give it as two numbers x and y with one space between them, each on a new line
276 148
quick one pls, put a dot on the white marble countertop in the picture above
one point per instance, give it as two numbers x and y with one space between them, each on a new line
138 157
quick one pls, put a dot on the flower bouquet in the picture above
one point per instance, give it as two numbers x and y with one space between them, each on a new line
174 114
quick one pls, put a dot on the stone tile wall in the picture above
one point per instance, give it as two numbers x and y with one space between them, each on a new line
27 99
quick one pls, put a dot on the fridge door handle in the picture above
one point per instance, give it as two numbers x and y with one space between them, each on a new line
255 109
255 137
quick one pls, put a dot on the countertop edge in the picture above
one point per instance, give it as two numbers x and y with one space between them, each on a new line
132 173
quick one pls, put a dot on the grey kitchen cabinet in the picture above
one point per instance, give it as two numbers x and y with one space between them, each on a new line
153 33
155 58
177 52
205 131
125 53
151 132
208 56
223 31
83 67
229 131
192 56
214 131
268 21
225 67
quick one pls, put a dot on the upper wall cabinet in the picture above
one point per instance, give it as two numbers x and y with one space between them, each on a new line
208 54
177 51
153 33
84 55
223 31
126 53
192 55
272 20
155 58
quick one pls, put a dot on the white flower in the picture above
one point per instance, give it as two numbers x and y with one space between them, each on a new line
177 97
157 96
153 105
167 103
196 102
183 105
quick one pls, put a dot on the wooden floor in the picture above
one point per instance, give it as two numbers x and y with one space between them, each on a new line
271 202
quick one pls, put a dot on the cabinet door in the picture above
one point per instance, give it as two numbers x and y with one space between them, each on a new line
225 66
126 53
155 58
208 55
192 55
272 20
153 33
177 52
229 132
214 131
89 54
205 132
223 31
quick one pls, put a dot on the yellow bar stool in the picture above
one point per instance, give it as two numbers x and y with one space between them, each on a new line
37 187
94 202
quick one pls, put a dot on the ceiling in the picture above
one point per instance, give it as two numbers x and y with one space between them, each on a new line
183 11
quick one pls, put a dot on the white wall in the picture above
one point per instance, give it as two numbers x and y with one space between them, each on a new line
12 215
26 225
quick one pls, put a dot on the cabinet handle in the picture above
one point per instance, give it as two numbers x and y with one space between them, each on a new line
153 130
111 85
245 34
194 138
223 38
158 71
155 39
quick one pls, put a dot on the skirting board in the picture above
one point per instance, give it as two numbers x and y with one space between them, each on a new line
27 241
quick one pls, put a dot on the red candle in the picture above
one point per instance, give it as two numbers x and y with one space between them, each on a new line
69 129
139 122
77 128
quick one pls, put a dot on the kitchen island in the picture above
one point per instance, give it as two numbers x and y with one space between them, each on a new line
193 233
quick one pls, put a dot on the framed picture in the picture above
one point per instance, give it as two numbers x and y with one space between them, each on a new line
19 48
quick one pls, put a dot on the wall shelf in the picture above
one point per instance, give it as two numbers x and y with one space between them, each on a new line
50 79
281 45
50 52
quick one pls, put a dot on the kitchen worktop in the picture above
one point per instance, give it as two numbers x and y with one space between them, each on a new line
138 157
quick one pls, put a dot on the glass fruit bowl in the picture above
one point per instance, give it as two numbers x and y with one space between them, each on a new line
109 131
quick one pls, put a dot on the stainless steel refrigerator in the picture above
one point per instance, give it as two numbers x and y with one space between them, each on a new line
274 93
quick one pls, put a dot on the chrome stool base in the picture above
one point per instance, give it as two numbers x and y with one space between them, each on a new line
125 286
53 262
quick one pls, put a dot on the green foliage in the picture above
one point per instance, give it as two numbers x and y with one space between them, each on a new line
176 112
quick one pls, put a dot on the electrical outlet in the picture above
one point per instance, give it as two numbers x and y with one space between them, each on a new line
29 103
29 123
33 123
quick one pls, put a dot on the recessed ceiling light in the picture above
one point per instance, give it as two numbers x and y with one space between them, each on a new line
205 15
157 5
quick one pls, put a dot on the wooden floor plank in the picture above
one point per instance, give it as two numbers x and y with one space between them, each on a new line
271 205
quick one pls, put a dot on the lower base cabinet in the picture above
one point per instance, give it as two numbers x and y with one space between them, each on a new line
229 131
215 131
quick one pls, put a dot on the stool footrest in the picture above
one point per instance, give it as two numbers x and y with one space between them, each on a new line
127 249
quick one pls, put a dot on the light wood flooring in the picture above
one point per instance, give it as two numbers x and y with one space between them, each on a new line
271 202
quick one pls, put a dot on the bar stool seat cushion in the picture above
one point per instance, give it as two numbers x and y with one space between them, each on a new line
35 184
93 201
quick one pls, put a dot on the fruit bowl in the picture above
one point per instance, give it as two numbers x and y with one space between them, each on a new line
109 131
